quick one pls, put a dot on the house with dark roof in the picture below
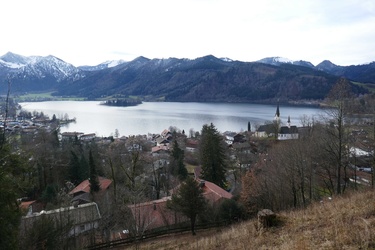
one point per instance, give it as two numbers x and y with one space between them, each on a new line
266 130
80 218
161 141
287 133
239 138
87 137
70 135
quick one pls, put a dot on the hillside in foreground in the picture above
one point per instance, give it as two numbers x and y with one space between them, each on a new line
346 222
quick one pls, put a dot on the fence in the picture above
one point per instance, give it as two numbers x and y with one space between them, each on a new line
154 234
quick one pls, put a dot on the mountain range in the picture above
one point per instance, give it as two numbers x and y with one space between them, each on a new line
204 79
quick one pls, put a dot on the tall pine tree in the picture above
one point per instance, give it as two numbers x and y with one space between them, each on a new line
78 168
212 156
189 200
177 164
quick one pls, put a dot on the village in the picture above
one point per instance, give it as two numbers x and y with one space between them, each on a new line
86 213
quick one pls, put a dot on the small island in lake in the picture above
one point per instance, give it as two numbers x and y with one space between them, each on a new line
122 102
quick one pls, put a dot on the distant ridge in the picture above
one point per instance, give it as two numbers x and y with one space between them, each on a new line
204 79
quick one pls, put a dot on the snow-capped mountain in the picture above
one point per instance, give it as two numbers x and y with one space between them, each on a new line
277 61
38 67
49 73
15 61
104 65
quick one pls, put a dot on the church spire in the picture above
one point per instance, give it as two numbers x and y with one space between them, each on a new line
277 115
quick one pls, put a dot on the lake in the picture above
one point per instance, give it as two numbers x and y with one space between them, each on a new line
154 117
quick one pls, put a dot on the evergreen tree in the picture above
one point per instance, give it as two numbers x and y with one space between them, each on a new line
55 139
53 118
10 215
9 212
212 156
189 200
94 179
78 168
177 164
50 193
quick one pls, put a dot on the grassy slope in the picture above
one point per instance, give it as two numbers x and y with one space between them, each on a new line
346 222
43 96
369 86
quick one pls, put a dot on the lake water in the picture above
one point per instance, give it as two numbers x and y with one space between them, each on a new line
154 117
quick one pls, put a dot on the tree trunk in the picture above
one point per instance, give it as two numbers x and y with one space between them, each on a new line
192 224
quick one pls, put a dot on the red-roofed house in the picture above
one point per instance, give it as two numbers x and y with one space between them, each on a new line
81 193
155 214
30 207
160 149
191 145
213 193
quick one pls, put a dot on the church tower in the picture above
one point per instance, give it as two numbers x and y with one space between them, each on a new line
277 115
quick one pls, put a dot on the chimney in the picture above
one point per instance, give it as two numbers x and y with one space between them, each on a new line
75 204
201 184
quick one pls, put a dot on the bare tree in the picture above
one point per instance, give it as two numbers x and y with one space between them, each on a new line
337 132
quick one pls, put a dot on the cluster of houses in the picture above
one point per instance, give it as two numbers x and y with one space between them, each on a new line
86 216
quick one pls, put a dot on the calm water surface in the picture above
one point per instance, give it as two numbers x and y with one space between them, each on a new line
154 117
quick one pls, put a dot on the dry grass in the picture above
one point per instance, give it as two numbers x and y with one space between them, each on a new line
346 222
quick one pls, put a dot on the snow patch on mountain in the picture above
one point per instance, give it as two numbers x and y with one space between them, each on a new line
38 67
104 65
226 59
282 60
277 61
11 65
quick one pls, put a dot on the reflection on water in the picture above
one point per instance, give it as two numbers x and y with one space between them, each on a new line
154 117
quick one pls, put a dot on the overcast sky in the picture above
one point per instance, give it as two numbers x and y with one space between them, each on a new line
89 32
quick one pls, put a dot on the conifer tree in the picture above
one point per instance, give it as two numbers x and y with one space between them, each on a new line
76 171
10 215
9 211
189 200
212 156
177 164
94 179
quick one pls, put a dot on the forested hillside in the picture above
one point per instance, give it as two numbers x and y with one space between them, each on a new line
204 79
207 79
